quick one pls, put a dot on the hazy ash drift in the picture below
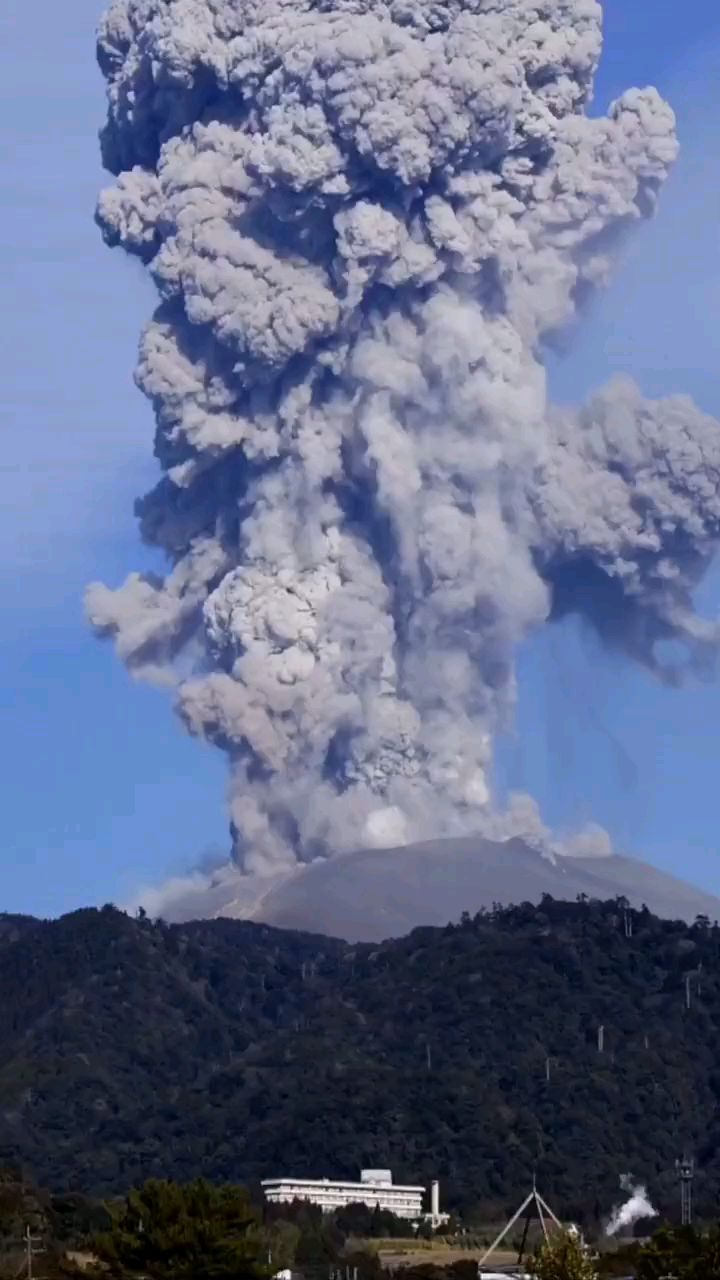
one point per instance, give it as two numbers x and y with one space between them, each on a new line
362 218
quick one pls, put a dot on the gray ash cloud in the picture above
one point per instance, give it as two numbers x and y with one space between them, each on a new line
363 219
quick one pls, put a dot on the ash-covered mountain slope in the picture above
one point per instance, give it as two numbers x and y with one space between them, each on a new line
382 893
131 1049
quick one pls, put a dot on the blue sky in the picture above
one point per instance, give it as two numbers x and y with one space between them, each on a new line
101 790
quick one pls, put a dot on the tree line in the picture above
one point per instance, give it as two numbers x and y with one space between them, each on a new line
198 1231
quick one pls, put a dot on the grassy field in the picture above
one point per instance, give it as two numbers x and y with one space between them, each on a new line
396 1254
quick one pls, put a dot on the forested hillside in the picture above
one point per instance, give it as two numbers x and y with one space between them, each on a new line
130 1049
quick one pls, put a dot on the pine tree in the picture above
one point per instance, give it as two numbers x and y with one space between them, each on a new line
165 1231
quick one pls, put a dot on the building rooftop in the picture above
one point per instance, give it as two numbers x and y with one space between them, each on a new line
364 1183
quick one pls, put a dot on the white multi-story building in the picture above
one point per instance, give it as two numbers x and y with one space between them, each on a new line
375 1189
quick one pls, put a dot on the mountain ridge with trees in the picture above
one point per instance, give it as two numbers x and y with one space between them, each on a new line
130 1049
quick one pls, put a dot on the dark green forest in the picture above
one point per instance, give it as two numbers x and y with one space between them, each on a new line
130 1049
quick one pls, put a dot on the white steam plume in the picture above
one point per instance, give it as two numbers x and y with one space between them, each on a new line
363 217
636 1207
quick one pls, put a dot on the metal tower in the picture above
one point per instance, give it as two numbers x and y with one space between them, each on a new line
532 1206
686 1173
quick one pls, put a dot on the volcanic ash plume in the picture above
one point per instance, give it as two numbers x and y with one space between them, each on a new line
362 219
636 1207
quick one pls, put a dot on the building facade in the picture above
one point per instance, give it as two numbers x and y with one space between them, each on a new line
376 1189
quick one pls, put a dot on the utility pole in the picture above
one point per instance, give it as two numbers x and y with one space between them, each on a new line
32 1249
686 1173
601 1040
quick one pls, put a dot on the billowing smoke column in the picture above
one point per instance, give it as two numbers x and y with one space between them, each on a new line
362 218
635 1208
